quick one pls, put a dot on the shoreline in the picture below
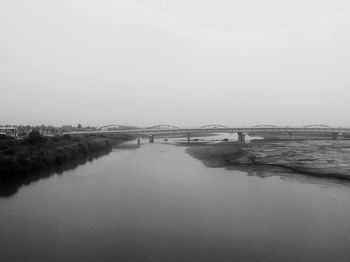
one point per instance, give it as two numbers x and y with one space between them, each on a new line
317 158
23 158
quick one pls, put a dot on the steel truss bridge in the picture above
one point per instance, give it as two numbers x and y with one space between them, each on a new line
159 130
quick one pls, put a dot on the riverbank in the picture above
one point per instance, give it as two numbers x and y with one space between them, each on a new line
322 158
21 158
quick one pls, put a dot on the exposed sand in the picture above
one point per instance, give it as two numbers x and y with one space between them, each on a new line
325 158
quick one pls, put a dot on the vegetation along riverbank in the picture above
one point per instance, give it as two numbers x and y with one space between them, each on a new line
20 158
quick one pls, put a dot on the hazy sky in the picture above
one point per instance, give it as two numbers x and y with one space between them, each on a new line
183 62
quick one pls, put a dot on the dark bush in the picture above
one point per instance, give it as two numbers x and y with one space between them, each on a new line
19 158
35 137
4 137
66 137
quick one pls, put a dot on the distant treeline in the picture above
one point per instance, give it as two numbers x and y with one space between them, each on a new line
18 158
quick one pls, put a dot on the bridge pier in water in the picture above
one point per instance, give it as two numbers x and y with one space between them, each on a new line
188 138
151 138
241 137
336 136
138 141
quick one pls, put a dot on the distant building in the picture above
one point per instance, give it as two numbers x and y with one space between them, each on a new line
67 128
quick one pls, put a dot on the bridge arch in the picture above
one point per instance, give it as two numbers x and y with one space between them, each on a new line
114 126
316 126
163 127
214 126
262 126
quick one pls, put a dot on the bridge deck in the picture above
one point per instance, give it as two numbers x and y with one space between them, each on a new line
266 130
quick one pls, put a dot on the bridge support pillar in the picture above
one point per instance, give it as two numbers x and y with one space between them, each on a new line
151 138
241 136
138 141
336 136
188 137
290 134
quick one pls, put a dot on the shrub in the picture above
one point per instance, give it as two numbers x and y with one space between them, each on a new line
66 137
35 137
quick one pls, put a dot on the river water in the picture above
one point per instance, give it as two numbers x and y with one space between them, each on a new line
157 203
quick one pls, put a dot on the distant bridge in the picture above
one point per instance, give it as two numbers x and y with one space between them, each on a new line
213 126
159 130
163 127
115 127
264 126
313 126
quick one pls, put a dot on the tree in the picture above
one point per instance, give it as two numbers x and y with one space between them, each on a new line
79 126
35 137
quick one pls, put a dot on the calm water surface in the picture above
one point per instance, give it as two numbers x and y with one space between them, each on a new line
156 203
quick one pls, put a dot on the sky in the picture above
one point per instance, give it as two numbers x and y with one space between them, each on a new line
185 62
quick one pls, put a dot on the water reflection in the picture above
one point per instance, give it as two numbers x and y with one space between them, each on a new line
11 187
158 203
8 188
290 176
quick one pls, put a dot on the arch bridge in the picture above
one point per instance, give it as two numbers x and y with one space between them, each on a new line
119 127
163 127
214 126
259 126
316 126
159 130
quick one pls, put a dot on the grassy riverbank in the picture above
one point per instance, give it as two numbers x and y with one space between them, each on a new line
313 157
20 158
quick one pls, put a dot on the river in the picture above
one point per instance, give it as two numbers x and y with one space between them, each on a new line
157 203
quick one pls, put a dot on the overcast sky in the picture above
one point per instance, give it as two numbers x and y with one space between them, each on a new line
183 62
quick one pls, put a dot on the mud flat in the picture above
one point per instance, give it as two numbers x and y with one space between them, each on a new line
322 158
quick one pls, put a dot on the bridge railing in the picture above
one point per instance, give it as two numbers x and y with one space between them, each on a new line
224 130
